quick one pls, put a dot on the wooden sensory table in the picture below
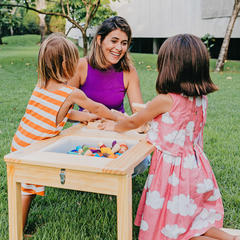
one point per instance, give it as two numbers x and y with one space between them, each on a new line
46 163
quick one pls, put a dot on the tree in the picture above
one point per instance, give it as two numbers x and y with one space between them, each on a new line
7 18
57 24
79 13
4 13
224 48
41 4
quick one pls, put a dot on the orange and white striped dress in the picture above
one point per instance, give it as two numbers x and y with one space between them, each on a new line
39 122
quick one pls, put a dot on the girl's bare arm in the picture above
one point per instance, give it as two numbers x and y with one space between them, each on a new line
99 109
82 116
159 105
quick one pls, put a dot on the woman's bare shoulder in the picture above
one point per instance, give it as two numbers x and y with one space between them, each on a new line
131 69
82 70
130 76
80 75
132 73
82 63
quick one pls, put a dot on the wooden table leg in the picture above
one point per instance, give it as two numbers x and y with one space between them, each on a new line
124 208
14 206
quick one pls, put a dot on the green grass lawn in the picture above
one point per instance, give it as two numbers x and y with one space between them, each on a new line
66 214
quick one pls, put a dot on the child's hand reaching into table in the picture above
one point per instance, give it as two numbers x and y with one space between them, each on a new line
91 116
107 125
120 116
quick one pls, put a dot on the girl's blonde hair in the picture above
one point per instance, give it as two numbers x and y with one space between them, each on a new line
55 52
96 57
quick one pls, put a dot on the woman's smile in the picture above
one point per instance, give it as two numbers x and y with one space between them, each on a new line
114 46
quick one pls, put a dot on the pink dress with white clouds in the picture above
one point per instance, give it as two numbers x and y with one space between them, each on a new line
181 198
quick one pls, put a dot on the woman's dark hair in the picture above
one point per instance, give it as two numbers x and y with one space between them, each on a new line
183 67
96 57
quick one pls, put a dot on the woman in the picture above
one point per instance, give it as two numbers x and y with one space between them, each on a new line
108 72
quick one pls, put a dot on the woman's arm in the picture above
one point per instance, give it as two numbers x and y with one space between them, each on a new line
80 75
132 86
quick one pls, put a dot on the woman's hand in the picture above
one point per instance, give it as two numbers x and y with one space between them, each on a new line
107 125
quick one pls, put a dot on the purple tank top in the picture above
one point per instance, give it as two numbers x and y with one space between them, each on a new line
106 87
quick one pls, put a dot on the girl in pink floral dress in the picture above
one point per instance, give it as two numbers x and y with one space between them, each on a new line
181 198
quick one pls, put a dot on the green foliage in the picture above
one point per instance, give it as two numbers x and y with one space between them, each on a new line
9 17
15 20
208 40
104 12
31 22
83 15
57 24
5 15
78 12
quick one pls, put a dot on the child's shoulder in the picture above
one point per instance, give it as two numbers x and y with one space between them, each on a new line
62 91
69 87
77 93
163 98
184 97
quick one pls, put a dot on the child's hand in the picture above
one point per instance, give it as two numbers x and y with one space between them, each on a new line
107 125
120 116
83 117
92 117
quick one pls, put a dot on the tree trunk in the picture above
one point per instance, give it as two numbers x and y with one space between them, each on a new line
91 9
11 31
85 43
41 4
224 48
42 32
1 28
1 36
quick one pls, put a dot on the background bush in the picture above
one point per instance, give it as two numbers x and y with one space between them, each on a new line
31 22
57 24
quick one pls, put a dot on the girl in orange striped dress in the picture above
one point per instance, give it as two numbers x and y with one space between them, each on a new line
51 104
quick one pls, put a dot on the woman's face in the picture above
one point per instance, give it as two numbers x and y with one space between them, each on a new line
114 46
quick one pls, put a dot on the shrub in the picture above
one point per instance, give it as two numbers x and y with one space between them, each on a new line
57 24
31 22
208 40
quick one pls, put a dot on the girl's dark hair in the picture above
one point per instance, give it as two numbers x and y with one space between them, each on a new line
96 57
183 67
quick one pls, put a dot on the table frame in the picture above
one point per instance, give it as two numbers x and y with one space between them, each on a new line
108 176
